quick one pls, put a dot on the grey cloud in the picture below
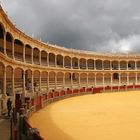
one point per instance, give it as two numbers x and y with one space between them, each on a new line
99 25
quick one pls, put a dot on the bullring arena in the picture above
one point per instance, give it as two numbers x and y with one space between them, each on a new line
40 78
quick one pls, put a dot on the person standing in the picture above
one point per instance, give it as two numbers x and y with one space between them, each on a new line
9 106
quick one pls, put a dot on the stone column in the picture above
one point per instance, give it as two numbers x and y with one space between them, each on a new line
4 43
55 80
63 80
127 78
23 53
55 60
40 57
79 80
24 94
136 80
86 64
48 82
13 84
95 80
39 81
87 80
111 81
32 82
4 82
119 65
135 65
13 49
48 59
71 80
94 64
63 62
32 55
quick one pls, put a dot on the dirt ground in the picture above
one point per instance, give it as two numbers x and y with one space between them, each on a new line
106 116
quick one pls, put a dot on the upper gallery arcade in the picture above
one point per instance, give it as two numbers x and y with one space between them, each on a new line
23 59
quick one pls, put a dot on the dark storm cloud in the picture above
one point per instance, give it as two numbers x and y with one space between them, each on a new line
98 25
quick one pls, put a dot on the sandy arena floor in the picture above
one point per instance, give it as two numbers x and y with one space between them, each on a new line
107 116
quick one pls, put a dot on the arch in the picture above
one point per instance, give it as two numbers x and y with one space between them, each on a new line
82 62
107 79
68 80
44 81
18 50
52 59
36 81
138 65
18 74
131 65
67 62
44 57
91 79
138 78
75 80
75 63
132 78
2 32
28 80
83 79
59 60
52 76
98 64
115 79
123 65
9 71
99 79
60 80
106 65
1 78
90 63
123 79
36 54
115 65
9 45
28 53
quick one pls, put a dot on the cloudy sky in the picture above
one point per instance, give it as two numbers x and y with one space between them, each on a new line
97 25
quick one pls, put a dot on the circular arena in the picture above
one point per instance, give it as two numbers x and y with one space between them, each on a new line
35 74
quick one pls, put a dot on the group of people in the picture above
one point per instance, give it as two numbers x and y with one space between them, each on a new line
9 106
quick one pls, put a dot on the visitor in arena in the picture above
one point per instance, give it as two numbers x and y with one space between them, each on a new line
9 106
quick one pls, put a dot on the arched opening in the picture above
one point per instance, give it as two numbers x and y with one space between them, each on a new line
83 80
1 38
82 63
68 80
75 80
131 65
98 64
115 65
28 53
44 58
138 64
51 59
123 78
28 80
59 60
123 65
60 80
90 64
99 79
18 50
9 71
106 65
9 40
52 81
67 62
1 78
44 81
115 79
132 79
36 56
36 76
107 79
75 63
18 74
138 78
91 79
